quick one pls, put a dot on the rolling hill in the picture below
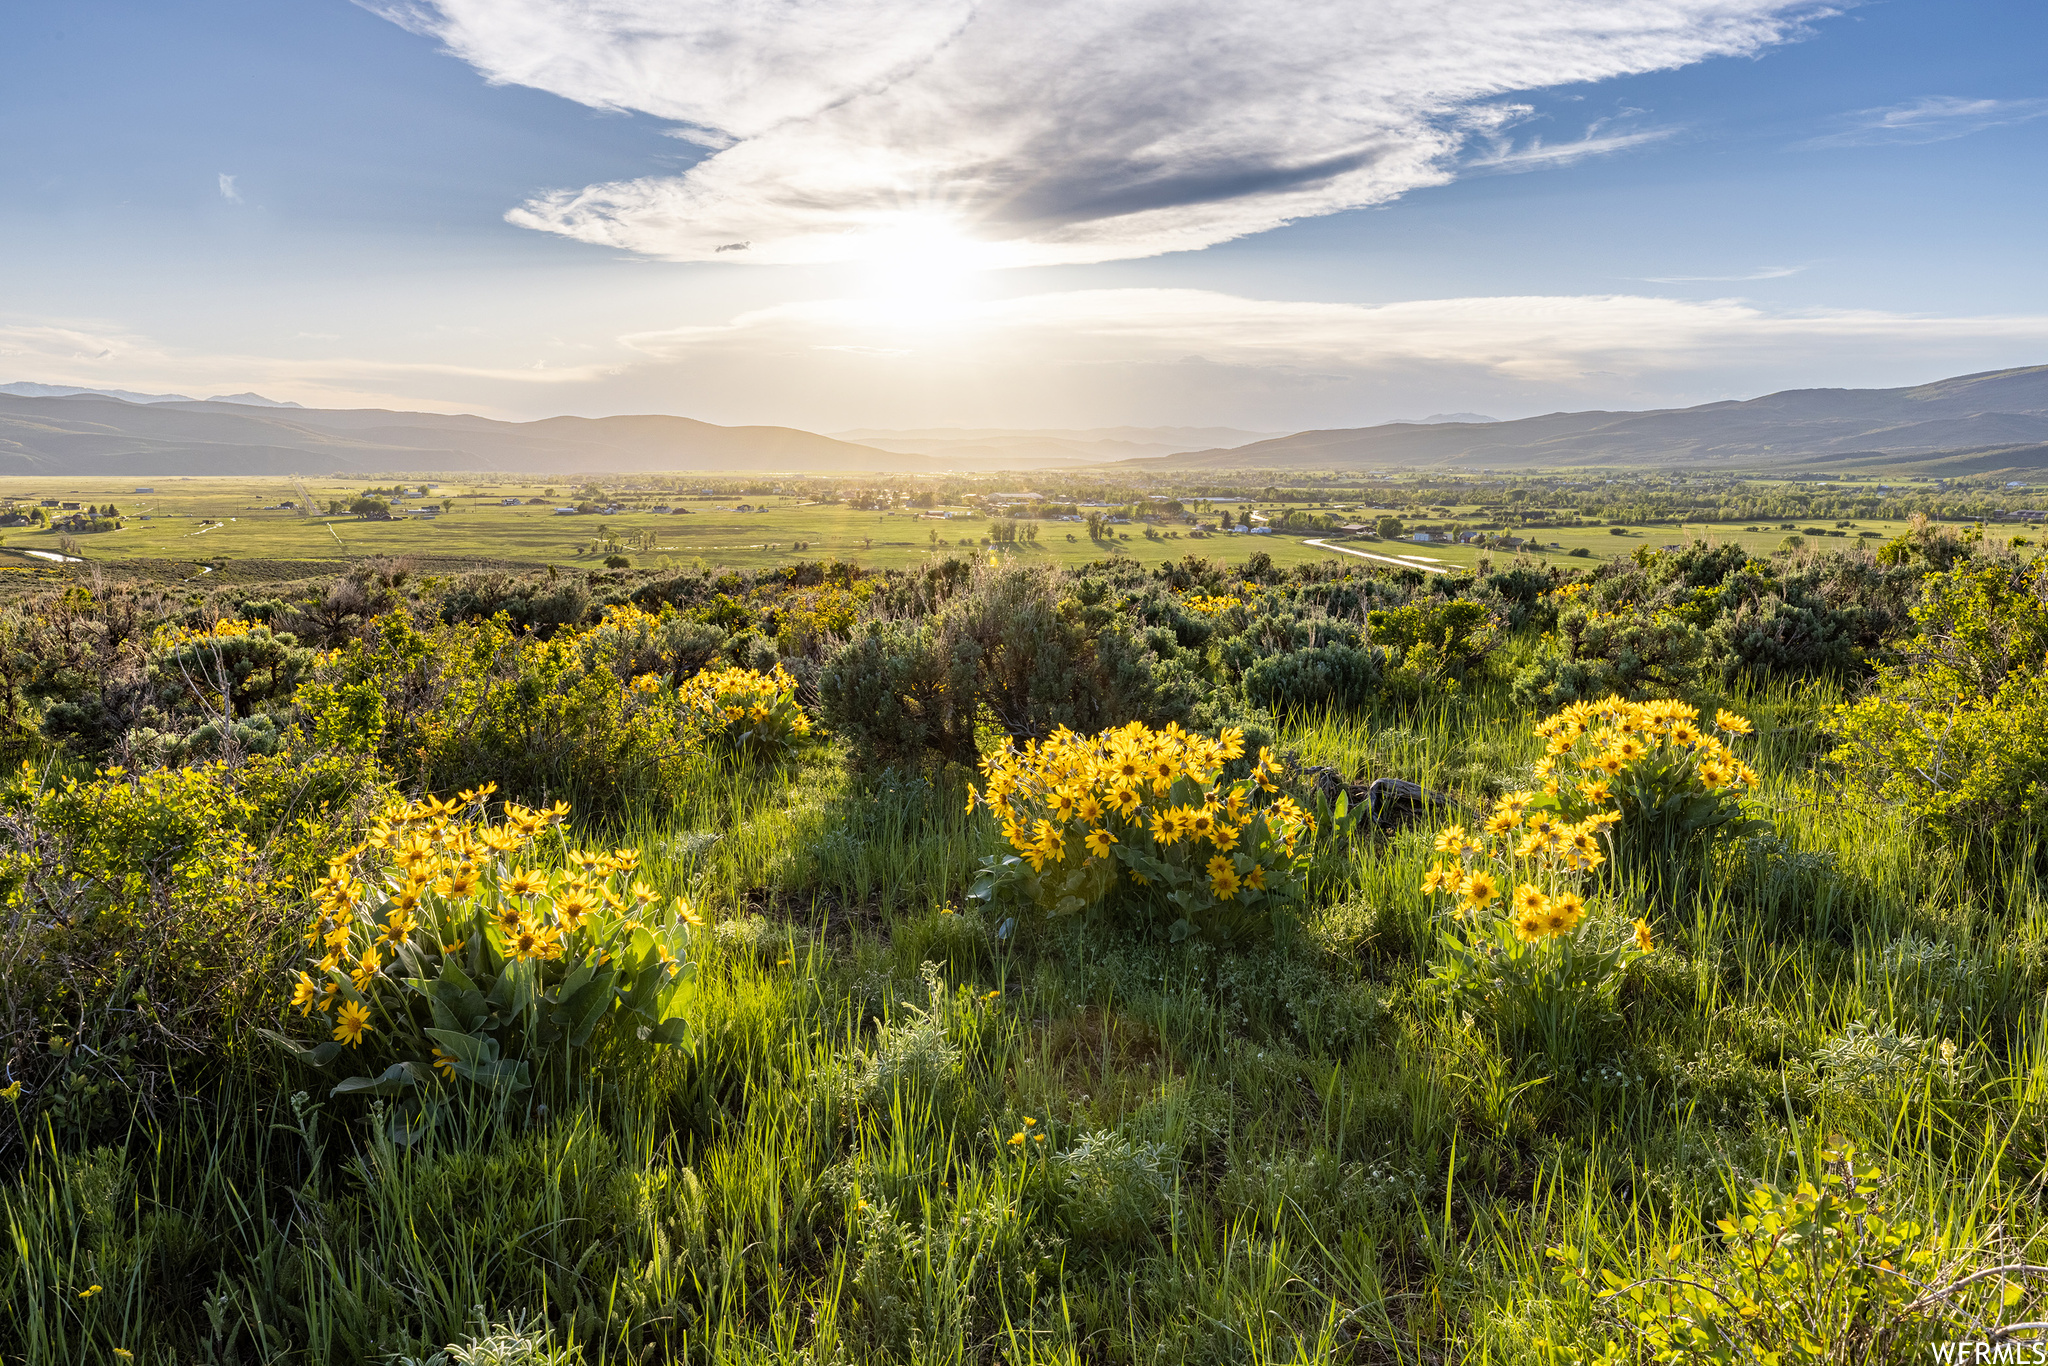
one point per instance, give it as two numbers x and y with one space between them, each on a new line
95 434
2000 416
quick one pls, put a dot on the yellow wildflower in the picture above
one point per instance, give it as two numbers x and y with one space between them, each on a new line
350 1023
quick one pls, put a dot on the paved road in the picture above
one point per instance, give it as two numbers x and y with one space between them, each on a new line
1383 559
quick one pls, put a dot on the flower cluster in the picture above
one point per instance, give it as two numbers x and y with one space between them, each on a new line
1210 605
170 635
1531 846
1107 788
445 939
1611 739
1522 947
743 709
1152 803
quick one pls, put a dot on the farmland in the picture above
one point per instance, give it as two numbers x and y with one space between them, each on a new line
182 525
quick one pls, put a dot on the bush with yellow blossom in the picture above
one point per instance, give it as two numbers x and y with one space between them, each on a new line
1672 779
1141 824
1523 949
446 952
744 712
1211 604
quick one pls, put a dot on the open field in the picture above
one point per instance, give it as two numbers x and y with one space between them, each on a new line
201 522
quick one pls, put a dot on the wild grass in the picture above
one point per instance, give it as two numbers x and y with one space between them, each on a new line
1282 1154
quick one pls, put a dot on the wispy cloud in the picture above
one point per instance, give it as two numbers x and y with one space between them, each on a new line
1760 273
1544 338
93 354
228 190
1932 118
1054 130
1537 155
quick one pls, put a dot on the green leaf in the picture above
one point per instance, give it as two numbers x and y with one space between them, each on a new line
506 1074
454 990
665 1034
315 1055
581 1013
474 1049
398 1077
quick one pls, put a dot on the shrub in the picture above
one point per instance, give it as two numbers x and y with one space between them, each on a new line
1007 644
1141 824
143 917
582 714
1433 646
1115 1187
450 953
1626 651
1960 729
1822 1273
1316 677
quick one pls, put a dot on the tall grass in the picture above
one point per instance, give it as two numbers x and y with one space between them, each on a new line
1284 1154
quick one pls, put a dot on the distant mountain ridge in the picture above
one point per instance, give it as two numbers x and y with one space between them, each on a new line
93 434
1996 410
1977 423
1050 446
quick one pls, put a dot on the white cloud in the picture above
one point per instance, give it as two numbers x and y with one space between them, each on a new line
228 190
1539 155
100 355
1760 273
1932 118
1551 340
1055 130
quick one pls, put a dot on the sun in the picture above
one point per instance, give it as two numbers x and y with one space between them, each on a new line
920 270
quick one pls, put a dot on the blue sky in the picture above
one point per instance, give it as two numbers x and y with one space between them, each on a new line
1797 198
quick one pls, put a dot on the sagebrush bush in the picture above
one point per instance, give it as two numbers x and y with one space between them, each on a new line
1007 646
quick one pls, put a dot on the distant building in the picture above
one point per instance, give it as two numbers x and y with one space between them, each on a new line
145 490
509 502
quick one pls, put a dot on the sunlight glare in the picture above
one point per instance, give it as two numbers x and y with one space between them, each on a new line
921 271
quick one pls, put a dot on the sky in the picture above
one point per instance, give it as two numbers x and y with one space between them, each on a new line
839 214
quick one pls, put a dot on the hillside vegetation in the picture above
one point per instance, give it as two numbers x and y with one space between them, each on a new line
988 959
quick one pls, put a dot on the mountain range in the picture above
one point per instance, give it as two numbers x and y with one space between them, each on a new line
1016 448
1997 420
90 434
1990 421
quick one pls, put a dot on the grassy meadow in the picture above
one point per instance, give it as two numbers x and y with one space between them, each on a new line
186 524
907 1115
